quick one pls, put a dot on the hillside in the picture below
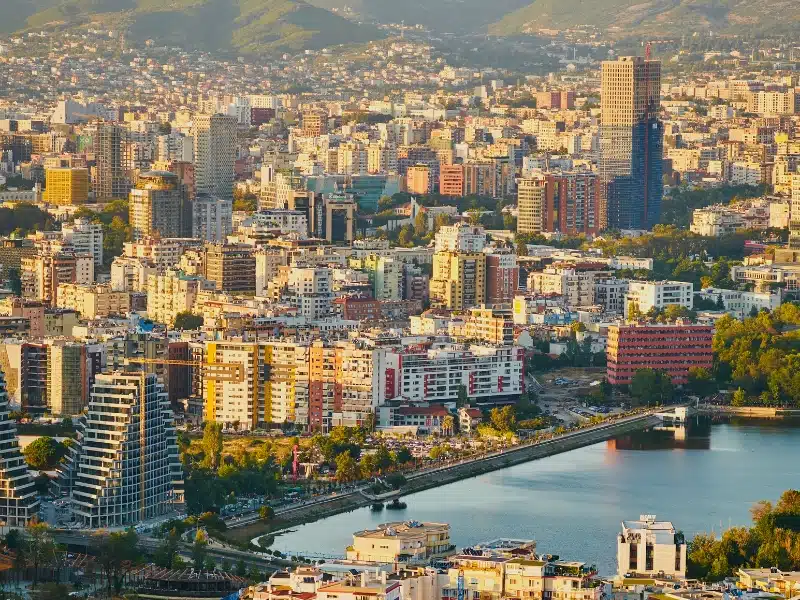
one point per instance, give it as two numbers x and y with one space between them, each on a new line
248 26
437 15
655 16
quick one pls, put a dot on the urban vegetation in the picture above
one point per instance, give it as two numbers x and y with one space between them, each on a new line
772 541
760 357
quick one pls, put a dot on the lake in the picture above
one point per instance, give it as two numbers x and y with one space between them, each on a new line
702 478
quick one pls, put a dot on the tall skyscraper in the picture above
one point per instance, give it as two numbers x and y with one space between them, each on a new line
18 502
111 173
159 205
127 470
631 143
214 154
530 204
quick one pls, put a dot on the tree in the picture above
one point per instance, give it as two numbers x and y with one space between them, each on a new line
167 552
406 236
448 425
43 453
346 468
54 591
701 382
199 550
115 234
118 556
15 281
649 386
421 224
403 456
739 398
188 320
474 216
503 419
522 248
440 221
13 539
462 398
266 513
38 548
212 444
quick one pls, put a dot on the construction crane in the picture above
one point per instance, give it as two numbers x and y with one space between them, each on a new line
224 372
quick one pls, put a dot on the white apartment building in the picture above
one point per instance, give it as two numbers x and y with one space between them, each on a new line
658 294
435 374
765 276
287 221
610 294
462 238
18 496
212 218
86 238
716 221
747 173
130 274
388 279
161 252
309 289
127 467
650 547
171 293
268 261
576 285
740 304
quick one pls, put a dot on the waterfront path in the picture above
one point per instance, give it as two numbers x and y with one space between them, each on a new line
439 475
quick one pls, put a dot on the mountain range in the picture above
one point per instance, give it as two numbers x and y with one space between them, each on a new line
266 26
246 26
655 17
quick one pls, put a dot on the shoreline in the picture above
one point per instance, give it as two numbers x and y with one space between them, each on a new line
753 412
444 475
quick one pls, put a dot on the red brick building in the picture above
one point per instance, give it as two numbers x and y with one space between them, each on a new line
671 348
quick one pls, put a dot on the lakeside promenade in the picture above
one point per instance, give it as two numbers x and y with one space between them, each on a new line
440 475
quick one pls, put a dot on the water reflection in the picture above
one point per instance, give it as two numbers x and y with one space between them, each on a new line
695 434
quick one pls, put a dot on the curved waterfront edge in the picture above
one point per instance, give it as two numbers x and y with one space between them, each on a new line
440 476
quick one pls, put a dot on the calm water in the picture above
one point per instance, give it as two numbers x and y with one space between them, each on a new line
572 503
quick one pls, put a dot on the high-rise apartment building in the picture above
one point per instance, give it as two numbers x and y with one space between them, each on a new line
451 180
158 206
126 467
111 179
86 238
232 268
66 185
18 501
460 238
631 143
531 198
315 123
67 377
214 154
502 276
458 281
42 274
572 202
212 218
419 180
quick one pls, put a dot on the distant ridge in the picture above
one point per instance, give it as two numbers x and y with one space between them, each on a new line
246 26
666 17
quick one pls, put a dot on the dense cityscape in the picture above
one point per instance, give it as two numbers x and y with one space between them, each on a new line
348 270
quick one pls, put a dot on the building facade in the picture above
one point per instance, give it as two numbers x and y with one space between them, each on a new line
631 143
126 468
673 349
